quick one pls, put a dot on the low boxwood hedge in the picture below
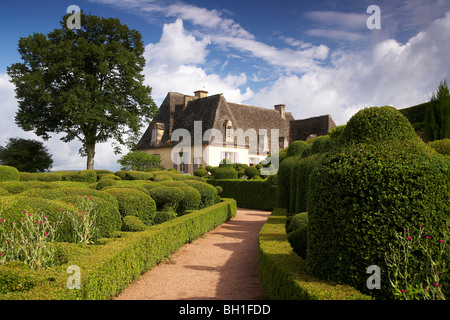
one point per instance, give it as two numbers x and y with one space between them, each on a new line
106 270
8 173
283 273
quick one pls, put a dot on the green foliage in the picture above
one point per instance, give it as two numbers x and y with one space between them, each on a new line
14 208
296 148
140 161
208 193
8 173
298 220
49 176
28 176
133 224
299 241
109 268
362 194
437 118
104 62
134 203
191 199
26 155
89 176
300 182
254 194
163 216
416 114
377 124
336 134
283 273
108 218
200 172
251 172
163 177
225 172
166 198
135 175
441 146
105 183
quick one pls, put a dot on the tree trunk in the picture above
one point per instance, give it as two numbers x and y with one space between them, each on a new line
90 151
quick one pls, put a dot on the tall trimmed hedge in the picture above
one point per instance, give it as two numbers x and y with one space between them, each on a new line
380 180
253 194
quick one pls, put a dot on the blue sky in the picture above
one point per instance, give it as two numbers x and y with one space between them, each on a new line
317 57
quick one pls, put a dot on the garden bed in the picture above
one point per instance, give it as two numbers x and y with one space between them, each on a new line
283 273
110 266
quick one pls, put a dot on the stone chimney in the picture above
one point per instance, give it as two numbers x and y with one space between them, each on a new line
281 108
201 94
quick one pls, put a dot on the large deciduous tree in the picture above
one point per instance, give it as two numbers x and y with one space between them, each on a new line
85 83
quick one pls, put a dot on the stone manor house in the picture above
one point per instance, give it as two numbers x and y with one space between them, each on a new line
189 131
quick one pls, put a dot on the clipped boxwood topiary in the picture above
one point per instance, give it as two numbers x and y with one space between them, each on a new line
28 176
191 200
363 193
207 192
134 203
166 198
15 208
225 172
105 183
108 215
163 216
441 146
296 148
378 124
251 172
299 241
200 172
297 221
8 173
49 176
163 177
132 224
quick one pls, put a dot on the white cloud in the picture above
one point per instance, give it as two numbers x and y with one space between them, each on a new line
389 74
176 47
173 66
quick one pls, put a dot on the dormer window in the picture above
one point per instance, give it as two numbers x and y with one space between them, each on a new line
229 131
157 132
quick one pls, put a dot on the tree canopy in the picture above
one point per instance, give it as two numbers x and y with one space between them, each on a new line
85 83
26 155
437 117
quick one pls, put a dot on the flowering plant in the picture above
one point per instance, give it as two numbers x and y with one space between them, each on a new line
403 278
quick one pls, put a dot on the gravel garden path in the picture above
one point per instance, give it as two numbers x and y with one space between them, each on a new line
221 265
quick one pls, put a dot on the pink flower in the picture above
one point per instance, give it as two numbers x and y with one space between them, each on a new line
403 291
441 240
409 238
436 284
427 237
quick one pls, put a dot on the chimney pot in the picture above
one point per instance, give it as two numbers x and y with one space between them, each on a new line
201 94
281 108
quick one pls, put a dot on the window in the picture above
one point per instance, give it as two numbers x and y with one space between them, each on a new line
197 163
229 131
253 161
230 157
263 143
154 134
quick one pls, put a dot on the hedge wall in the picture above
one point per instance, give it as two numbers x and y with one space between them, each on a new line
106 270
283 273
254 194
